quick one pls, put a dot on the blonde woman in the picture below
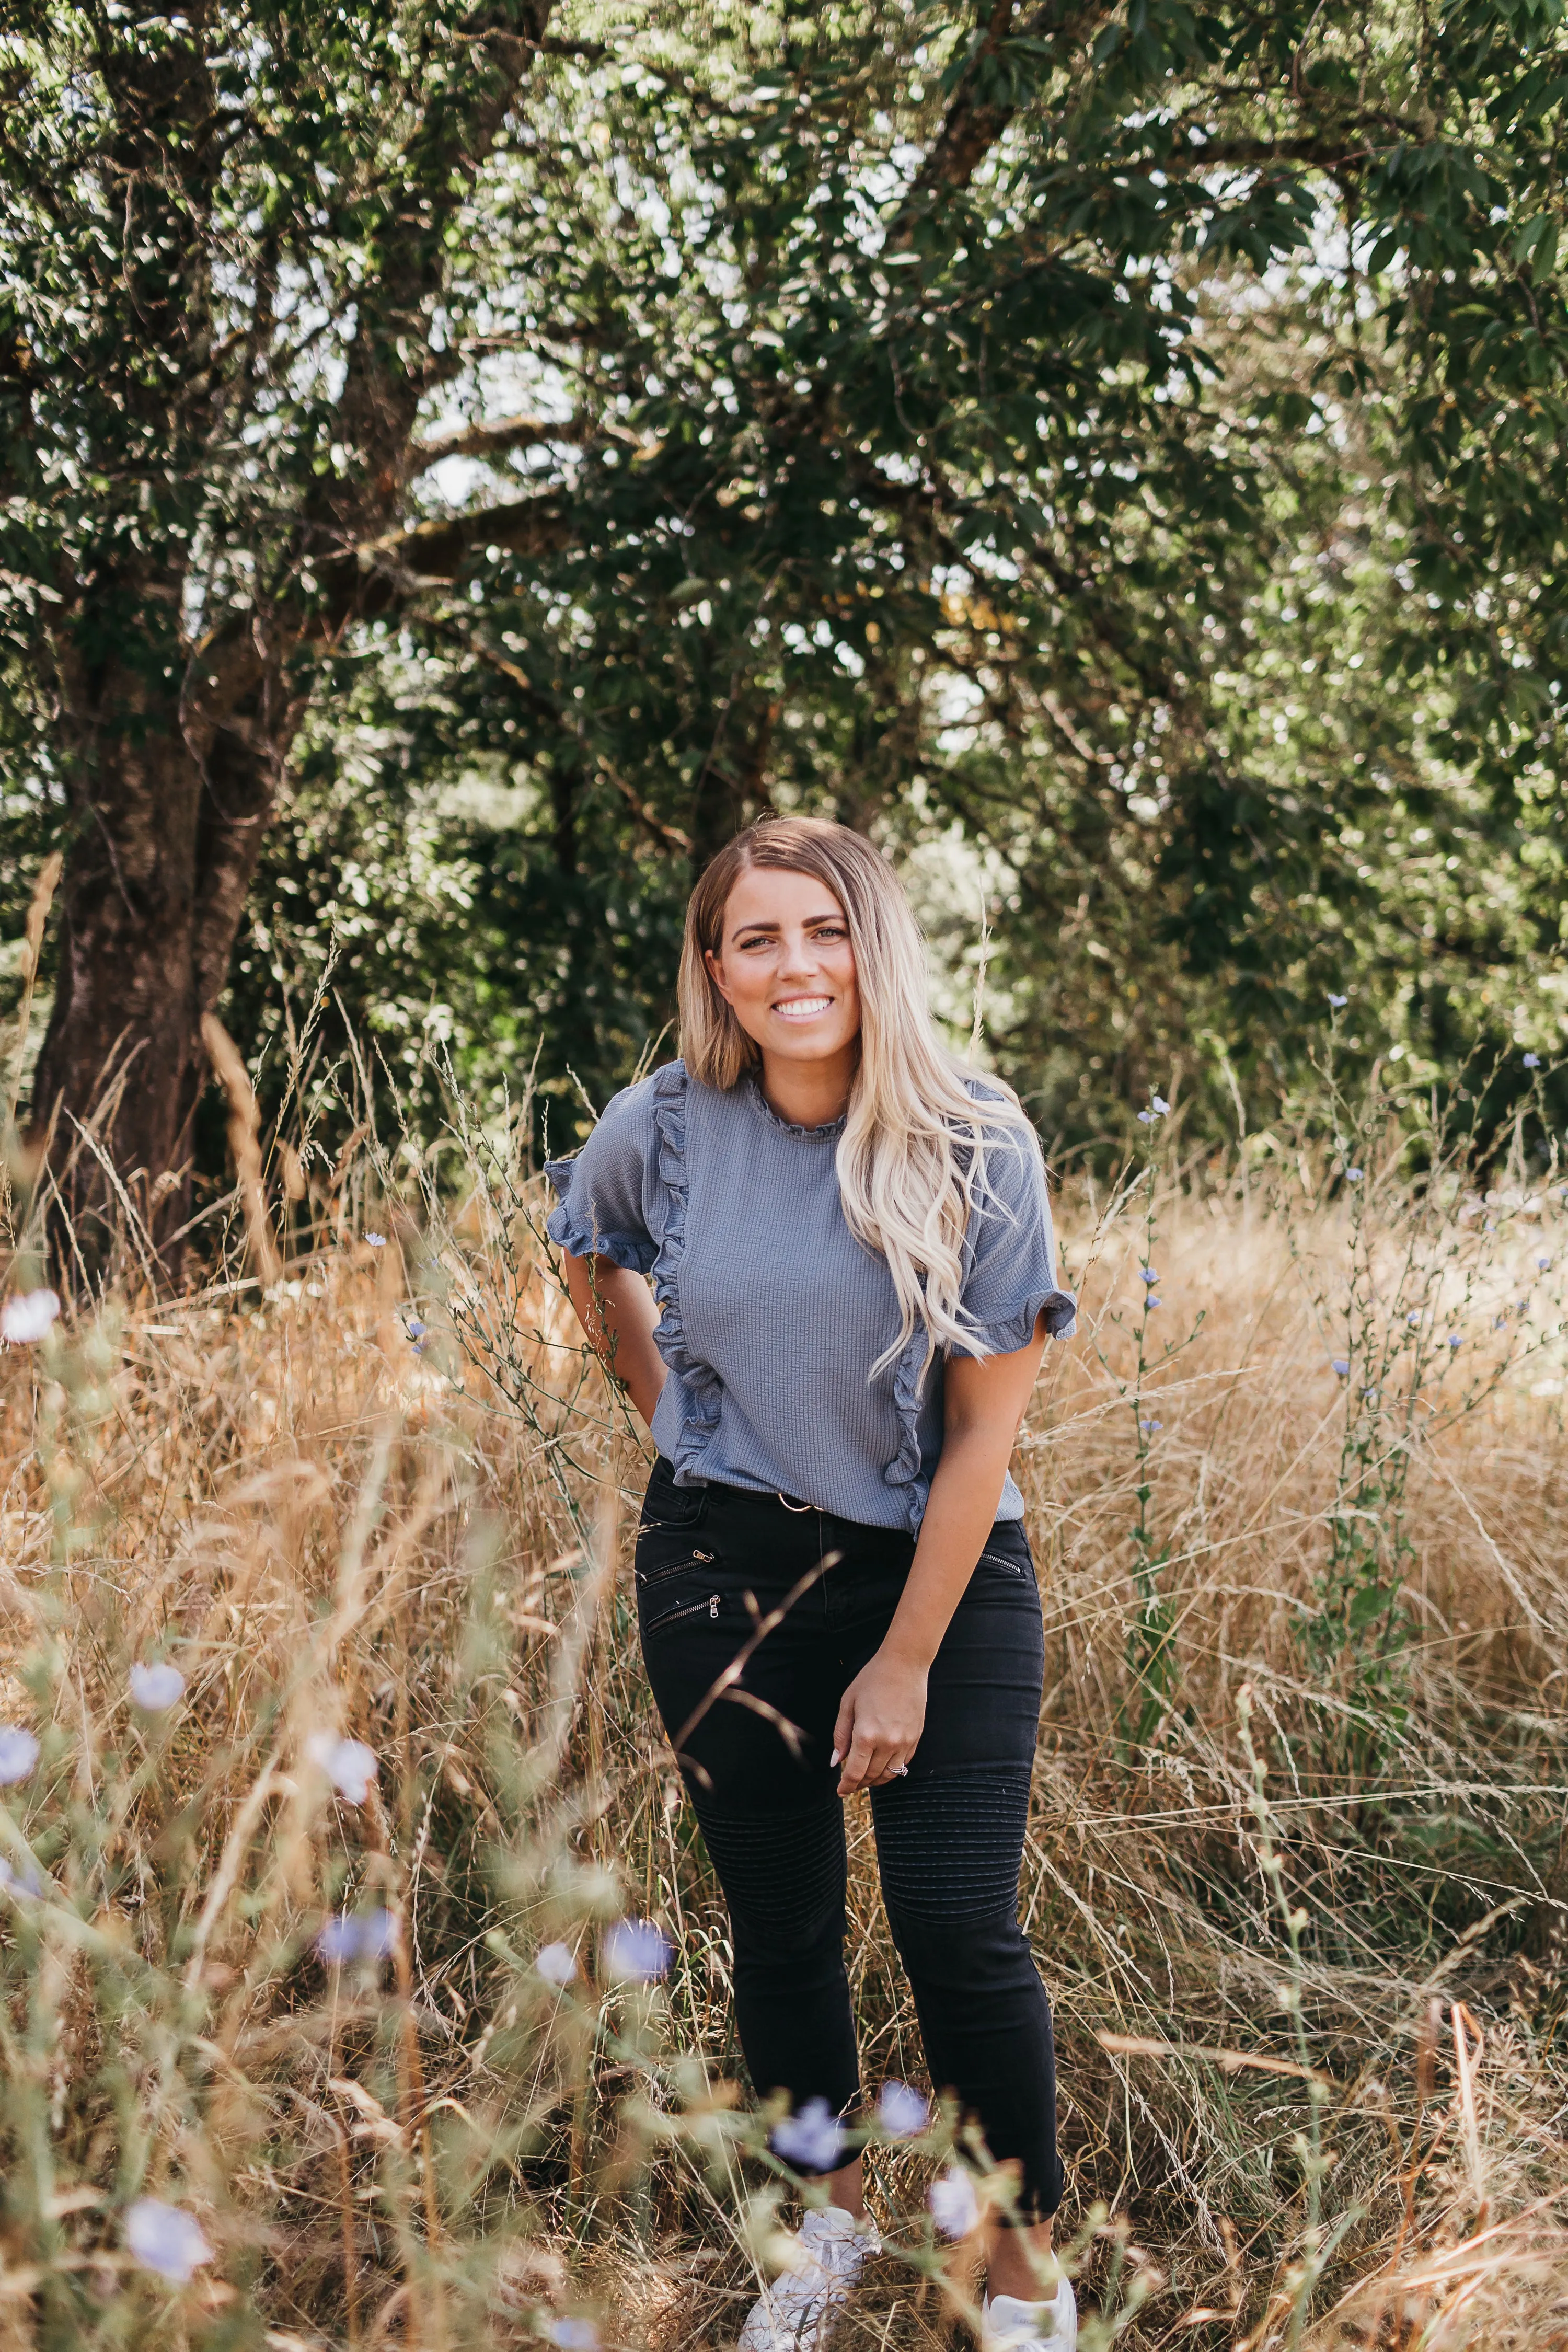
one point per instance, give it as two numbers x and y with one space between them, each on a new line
853 1282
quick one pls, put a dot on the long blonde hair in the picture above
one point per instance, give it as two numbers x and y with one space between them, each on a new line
912 1160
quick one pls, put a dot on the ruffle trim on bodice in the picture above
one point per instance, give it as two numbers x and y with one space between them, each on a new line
909 1385
701 1392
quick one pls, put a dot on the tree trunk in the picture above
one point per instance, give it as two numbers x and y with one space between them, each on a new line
168 819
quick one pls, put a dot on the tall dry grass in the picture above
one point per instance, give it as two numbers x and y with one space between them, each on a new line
1311 2039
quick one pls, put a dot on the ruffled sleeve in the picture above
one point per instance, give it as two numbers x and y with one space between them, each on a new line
1010 1253
608 1191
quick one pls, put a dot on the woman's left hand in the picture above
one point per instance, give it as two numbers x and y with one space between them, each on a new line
880 1718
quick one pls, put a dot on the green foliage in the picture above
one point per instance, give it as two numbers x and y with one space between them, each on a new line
1127 440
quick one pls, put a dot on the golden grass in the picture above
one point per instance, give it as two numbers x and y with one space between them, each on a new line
330 1528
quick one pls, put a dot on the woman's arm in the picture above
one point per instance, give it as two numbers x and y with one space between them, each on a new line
617 1311
882 1713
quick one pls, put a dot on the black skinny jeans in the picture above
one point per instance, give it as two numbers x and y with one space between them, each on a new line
950 1836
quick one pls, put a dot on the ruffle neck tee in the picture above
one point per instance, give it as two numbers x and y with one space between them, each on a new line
773 1315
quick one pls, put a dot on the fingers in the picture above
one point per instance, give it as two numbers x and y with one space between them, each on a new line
844 1729
871 1764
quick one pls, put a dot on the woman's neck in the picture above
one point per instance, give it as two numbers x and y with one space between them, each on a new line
810 1094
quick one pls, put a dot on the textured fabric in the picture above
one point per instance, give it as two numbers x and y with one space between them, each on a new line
773 1313
710 1563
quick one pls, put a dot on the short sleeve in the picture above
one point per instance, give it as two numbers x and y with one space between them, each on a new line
603 1190
1010 1252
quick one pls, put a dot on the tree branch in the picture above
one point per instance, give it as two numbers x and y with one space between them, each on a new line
381 574
493 440
974 122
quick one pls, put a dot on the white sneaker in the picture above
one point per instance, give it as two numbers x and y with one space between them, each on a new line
1009 2325
791 2315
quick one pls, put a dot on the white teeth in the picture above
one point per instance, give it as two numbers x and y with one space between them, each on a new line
803 1008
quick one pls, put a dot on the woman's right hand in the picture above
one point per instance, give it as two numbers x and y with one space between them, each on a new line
880 1718
619 1313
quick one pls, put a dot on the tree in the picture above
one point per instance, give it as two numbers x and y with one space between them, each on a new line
864 408
228 291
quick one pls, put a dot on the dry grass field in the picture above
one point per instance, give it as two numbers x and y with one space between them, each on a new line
1310 2016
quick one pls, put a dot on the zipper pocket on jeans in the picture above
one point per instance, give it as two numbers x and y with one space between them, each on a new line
692 1609
649 1576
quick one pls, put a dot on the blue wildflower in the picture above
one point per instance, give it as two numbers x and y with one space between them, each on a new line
157 1688
1148 1275
165 2238
954 2207
902 2112
811 2140
1352 1175
1455 1341
356 1939
1342 1365
1338 1002
1149 1427
376 1241
19 1754
1532 1061
636 1952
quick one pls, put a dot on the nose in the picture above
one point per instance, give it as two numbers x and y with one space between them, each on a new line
800 958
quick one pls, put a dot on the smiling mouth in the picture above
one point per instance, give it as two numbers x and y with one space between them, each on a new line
802 1008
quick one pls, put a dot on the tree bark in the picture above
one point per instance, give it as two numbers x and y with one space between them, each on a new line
122 1063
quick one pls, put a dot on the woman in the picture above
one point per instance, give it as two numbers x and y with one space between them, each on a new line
851 1250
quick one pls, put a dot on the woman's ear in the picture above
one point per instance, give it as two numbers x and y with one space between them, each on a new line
716 974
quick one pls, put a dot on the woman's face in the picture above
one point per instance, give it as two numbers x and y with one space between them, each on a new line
785 967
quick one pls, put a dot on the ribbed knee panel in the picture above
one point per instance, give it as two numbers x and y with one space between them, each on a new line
950 1847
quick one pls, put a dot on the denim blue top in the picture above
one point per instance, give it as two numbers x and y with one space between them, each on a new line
773 1314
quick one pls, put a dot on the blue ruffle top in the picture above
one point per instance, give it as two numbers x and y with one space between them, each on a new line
772 1313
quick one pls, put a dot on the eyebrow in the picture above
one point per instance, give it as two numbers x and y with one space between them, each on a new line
829 915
